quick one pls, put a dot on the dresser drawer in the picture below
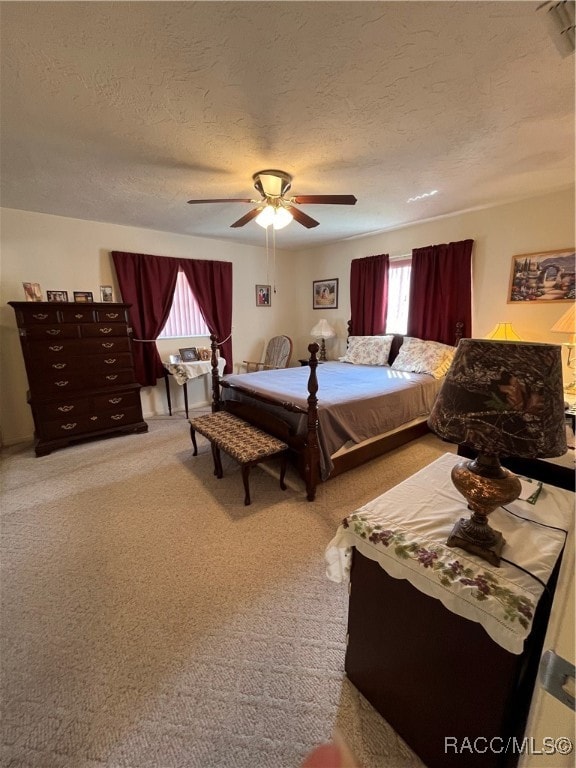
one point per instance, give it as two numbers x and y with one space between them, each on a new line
116 400
78 315
49 385
112 316
119 417
66 408
55 349
91 422
57 365
113 361
103 330
52 331
114 344
40 316
112 379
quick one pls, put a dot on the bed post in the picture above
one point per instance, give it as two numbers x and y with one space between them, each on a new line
215 376
312 451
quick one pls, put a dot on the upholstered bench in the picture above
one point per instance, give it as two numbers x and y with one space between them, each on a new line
245 443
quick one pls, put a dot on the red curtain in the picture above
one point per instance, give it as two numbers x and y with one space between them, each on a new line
147 283
441 291
368 295
211 284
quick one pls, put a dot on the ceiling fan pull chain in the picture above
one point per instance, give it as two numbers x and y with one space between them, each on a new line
274 264
267 259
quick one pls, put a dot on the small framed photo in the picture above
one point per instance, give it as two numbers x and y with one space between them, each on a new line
32 291
546 276
205 353
263 296
83 297
189 354
325 294
57 295
175 359
106 293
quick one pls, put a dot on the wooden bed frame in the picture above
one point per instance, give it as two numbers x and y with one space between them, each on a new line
306 446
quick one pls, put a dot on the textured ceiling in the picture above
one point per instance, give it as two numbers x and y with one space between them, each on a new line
122 111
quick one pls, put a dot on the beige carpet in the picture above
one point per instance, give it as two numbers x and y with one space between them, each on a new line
150 620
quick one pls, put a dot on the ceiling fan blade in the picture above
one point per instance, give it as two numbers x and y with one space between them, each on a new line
225 200
302 218
325 199
247 217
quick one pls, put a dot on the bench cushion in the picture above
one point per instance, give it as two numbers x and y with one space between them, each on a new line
236 437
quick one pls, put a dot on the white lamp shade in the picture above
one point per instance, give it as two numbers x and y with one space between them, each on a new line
503 332
323 330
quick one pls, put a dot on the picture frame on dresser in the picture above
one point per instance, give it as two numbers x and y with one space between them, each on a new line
83 297
189 354
32 291
57 296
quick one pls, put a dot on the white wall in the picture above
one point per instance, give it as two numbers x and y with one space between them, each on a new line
70 254
74 255
527 226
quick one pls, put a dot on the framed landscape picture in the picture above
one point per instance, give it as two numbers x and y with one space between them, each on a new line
83 297
325 294
544 276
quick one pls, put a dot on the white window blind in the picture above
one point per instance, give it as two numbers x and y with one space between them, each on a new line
398 295
185 318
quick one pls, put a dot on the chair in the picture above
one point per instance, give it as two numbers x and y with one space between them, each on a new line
278 354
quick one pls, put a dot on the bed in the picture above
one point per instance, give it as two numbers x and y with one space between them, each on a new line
377 397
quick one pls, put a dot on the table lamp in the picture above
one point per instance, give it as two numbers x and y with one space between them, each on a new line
322 330
499 398
566 325
503 332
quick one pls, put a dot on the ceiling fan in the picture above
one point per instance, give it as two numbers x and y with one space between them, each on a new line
274 207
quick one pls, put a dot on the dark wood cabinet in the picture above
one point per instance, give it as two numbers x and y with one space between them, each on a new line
80 371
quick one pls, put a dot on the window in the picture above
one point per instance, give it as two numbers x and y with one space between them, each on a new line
398 295
185 318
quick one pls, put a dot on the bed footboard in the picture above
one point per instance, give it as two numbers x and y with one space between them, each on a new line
305 446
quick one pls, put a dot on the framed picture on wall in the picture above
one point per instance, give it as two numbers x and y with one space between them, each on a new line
325 294
544 276
263 295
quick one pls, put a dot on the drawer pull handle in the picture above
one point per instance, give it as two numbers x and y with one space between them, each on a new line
68 426
61 383
110 360
107 344
112 315
66 408
115 400
105 330
56 348
54 331
93 418
117 416
40 316
58 366
79 315
112 377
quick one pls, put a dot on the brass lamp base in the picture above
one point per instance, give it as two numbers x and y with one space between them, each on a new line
485 485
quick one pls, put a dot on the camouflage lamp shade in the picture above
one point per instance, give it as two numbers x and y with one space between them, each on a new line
501 399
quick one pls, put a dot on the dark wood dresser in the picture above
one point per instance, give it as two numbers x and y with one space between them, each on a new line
80 371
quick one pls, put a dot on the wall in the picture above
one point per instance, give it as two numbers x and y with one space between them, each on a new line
537 224
70 254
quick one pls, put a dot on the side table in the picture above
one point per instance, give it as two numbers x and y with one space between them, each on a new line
444 645
183 372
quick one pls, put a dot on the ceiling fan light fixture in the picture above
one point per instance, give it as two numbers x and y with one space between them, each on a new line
277 217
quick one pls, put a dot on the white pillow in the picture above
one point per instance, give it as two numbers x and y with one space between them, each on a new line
420 356
368 350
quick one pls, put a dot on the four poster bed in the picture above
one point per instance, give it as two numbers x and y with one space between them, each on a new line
376 398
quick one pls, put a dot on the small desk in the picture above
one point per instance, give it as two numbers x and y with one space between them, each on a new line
440 642
183 372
